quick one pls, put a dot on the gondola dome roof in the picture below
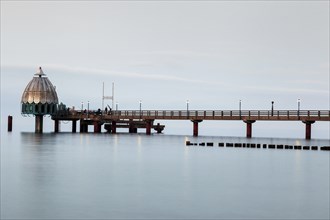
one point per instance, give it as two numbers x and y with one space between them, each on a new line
40 90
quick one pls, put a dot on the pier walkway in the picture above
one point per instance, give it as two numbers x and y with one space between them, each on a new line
134 119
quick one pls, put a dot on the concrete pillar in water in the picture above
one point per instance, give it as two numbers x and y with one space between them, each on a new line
249 127
195 127
39 123
74 126
10 123
114 127
56 125
308 132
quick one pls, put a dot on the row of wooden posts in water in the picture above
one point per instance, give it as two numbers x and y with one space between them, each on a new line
253 145
237 145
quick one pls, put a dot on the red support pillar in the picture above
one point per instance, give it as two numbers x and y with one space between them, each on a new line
249 128
308 131
10 123
195 127
148 126
56 126
97 127
195 132
114 127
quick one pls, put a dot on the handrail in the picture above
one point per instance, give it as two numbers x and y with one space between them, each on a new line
202 114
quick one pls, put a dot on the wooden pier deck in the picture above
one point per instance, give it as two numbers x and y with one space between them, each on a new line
134 119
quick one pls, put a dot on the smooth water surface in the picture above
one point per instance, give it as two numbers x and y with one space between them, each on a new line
88 176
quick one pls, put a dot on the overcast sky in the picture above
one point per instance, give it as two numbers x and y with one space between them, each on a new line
212 53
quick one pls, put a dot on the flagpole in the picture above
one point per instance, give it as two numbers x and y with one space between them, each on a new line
103 97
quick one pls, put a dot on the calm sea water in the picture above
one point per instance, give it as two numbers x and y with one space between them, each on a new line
130 176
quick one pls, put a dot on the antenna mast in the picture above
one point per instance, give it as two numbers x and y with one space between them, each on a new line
108 97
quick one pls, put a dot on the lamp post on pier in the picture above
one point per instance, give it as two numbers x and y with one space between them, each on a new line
87 109
82 106
272 108
298 101
240 109
187 103
116 106
140 108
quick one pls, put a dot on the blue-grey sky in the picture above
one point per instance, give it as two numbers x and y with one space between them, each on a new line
212 53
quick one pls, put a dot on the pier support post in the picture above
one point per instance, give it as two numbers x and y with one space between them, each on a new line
97 127
39 123
195 127
148 126
132 128
10 123
308 132
74 126
56 126
249 128
114 127
81 126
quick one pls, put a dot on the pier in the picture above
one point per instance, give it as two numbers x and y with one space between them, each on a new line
145 119
40 98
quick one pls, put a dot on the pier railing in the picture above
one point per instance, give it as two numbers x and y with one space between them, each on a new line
285 115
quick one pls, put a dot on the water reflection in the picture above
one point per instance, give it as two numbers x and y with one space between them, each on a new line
115 143
38 155
298 142
37 170
29 139
139 148
137 176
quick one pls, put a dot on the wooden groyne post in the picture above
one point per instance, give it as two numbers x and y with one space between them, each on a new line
10 123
